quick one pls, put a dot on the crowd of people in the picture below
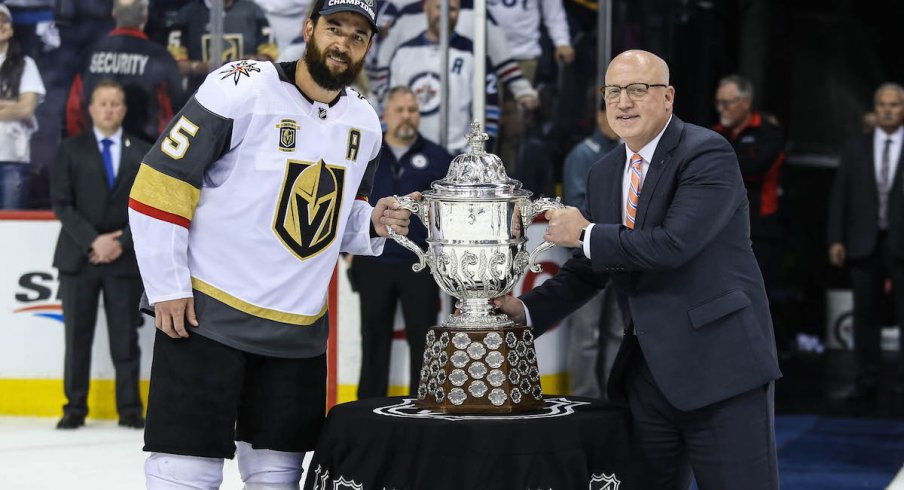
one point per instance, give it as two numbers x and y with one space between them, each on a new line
695 243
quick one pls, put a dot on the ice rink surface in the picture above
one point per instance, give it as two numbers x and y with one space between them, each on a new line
100 456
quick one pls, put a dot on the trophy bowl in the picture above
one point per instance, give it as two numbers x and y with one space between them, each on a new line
478 361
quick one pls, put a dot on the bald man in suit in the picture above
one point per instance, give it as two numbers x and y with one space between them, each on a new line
667 220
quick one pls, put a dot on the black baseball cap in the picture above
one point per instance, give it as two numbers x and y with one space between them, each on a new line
363 7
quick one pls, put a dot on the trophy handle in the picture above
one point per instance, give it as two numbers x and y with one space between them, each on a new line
420 210
533 209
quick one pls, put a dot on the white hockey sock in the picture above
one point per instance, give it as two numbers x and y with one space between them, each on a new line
265 469
176 472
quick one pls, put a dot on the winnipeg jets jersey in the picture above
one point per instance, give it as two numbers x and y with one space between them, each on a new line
246 201
520 20
410 21
416 64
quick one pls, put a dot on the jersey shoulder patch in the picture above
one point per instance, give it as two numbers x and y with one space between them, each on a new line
227 90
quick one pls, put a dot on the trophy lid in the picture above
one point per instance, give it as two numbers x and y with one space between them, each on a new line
476 174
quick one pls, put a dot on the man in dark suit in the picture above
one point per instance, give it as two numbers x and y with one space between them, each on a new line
865 227
92 176
667 220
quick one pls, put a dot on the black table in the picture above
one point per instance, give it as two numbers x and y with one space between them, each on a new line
388 443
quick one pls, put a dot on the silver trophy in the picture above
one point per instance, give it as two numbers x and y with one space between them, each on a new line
478 361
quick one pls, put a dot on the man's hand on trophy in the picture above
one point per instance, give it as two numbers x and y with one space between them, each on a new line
565 225
388 212
512 307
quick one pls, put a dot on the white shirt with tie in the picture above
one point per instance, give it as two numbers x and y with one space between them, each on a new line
647 154
115 148
894 154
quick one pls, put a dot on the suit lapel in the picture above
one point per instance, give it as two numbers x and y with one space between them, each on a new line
612 212
94 158
869 170
124 161
661 157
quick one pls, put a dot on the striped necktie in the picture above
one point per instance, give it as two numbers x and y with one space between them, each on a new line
633 191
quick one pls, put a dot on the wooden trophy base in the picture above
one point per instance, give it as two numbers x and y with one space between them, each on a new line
480 370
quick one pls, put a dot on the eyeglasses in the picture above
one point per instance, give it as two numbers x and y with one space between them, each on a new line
722 103
636 91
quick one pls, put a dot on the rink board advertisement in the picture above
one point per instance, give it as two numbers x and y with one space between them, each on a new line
31 325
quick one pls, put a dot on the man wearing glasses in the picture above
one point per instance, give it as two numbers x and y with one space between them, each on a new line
667 220
759 144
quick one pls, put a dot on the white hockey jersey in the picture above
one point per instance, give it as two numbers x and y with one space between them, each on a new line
250 194
410 21
416 64
520 20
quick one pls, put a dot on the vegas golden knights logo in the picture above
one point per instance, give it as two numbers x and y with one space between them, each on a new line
233 47
309 205
287 129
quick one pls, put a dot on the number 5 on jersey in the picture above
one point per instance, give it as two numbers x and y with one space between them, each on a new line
176 142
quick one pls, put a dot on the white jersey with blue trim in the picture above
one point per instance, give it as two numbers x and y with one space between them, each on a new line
416 64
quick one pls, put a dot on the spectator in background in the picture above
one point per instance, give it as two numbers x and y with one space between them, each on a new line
285 18
21 90
34 26
416 64
246 35
760 146
595 329
866 228
147 72
520 21
409 23
408 163
92 177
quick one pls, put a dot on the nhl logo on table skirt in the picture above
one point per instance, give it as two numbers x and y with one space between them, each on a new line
287 129
604 482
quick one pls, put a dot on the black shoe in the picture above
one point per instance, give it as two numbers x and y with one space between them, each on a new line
132 421
70 422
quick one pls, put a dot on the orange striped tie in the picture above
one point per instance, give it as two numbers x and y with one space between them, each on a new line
633 191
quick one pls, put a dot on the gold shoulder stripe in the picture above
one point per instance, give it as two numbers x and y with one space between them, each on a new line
158 190
254 310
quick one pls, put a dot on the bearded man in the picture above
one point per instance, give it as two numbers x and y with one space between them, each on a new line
239 213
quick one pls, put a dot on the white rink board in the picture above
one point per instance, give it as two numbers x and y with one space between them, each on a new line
32 346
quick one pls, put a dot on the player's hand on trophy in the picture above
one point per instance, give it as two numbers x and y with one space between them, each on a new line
512 307
170 316
387 211
565 225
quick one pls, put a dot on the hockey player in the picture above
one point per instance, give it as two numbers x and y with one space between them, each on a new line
239 213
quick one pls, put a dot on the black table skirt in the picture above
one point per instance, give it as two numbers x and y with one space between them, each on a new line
387 443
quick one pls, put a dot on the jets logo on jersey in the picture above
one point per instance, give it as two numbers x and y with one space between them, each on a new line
287 129
309 206
236 70
426 87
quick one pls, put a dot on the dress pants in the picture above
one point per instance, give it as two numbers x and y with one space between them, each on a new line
381 285
729 444
80 293
868 276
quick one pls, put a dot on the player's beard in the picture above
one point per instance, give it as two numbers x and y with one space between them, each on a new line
315 59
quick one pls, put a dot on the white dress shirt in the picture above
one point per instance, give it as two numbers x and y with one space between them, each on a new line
894 153
647 154
115 148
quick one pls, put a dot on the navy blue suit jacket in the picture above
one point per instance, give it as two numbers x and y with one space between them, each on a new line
685 276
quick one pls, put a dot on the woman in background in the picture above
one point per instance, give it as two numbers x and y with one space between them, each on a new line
21 89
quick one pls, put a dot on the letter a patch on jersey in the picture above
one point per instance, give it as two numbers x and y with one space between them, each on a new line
309 205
